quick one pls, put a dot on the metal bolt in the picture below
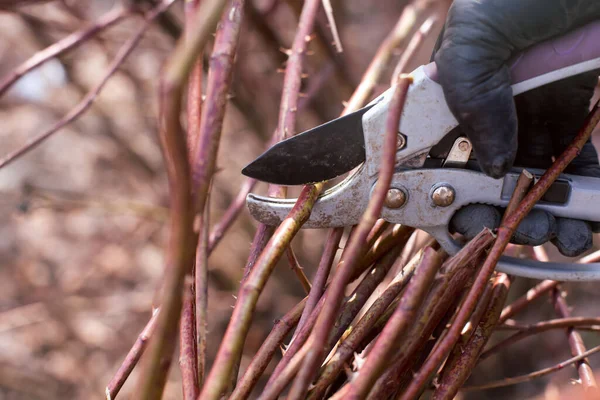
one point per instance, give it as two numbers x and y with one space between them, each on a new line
464 145
395 198
443 196
401 143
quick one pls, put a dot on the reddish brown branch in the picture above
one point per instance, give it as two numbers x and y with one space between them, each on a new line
397 326
273 390
586 375
230 215
89 98
351 307
559 323
400 32
533 375
266 351
230 350
355 249
194 93
298 270
187 344
201 292
192 333
318 287
64 45
251 288
455 275
182 244
529 330
461 367
534 293
349 345
132 358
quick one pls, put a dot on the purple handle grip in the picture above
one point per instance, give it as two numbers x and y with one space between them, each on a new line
577 46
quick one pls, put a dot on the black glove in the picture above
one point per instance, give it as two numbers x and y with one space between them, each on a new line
479 37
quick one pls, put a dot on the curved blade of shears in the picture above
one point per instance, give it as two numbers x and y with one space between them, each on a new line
317 155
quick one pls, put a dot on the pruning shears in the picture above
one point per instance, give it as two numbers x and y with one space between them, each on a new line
434 174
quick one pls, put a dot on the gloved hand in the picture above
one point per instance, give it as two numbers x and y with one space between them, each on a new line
478 39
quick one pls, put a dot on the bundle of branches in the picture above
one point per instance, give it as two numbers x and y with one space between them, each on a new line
391 315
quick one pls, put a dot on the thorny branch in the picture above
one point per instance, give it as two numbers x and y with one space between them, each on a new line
63 46
533 375
182 244
89 98
423 317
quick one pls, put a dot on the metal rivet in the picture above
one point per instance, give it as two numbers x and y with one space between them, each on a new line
464 145
401 143
443 196
395 198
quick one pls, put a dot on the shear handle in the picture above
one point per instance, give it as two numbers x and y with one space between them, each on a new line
571 54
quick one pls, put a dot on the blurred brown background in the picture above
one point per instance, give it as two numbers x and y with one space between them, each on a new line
83 216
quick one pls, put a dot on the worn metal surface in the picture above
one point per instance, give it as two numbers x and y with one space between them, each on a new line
344 205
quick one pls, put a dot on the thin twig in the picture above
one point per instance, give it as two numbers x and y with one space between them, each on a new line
505 232
318 287
70 42
251 287
183 241
415 42
187 343
533 329
559 323
201 277
403 27
334 31
273 390
397 326
89 98
533 375
454 276
234 209
230 350
586 375
462 367
534 293
194 94
266 351
355 249
132 358
219 79
298 270
192 334
347 346
213 110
